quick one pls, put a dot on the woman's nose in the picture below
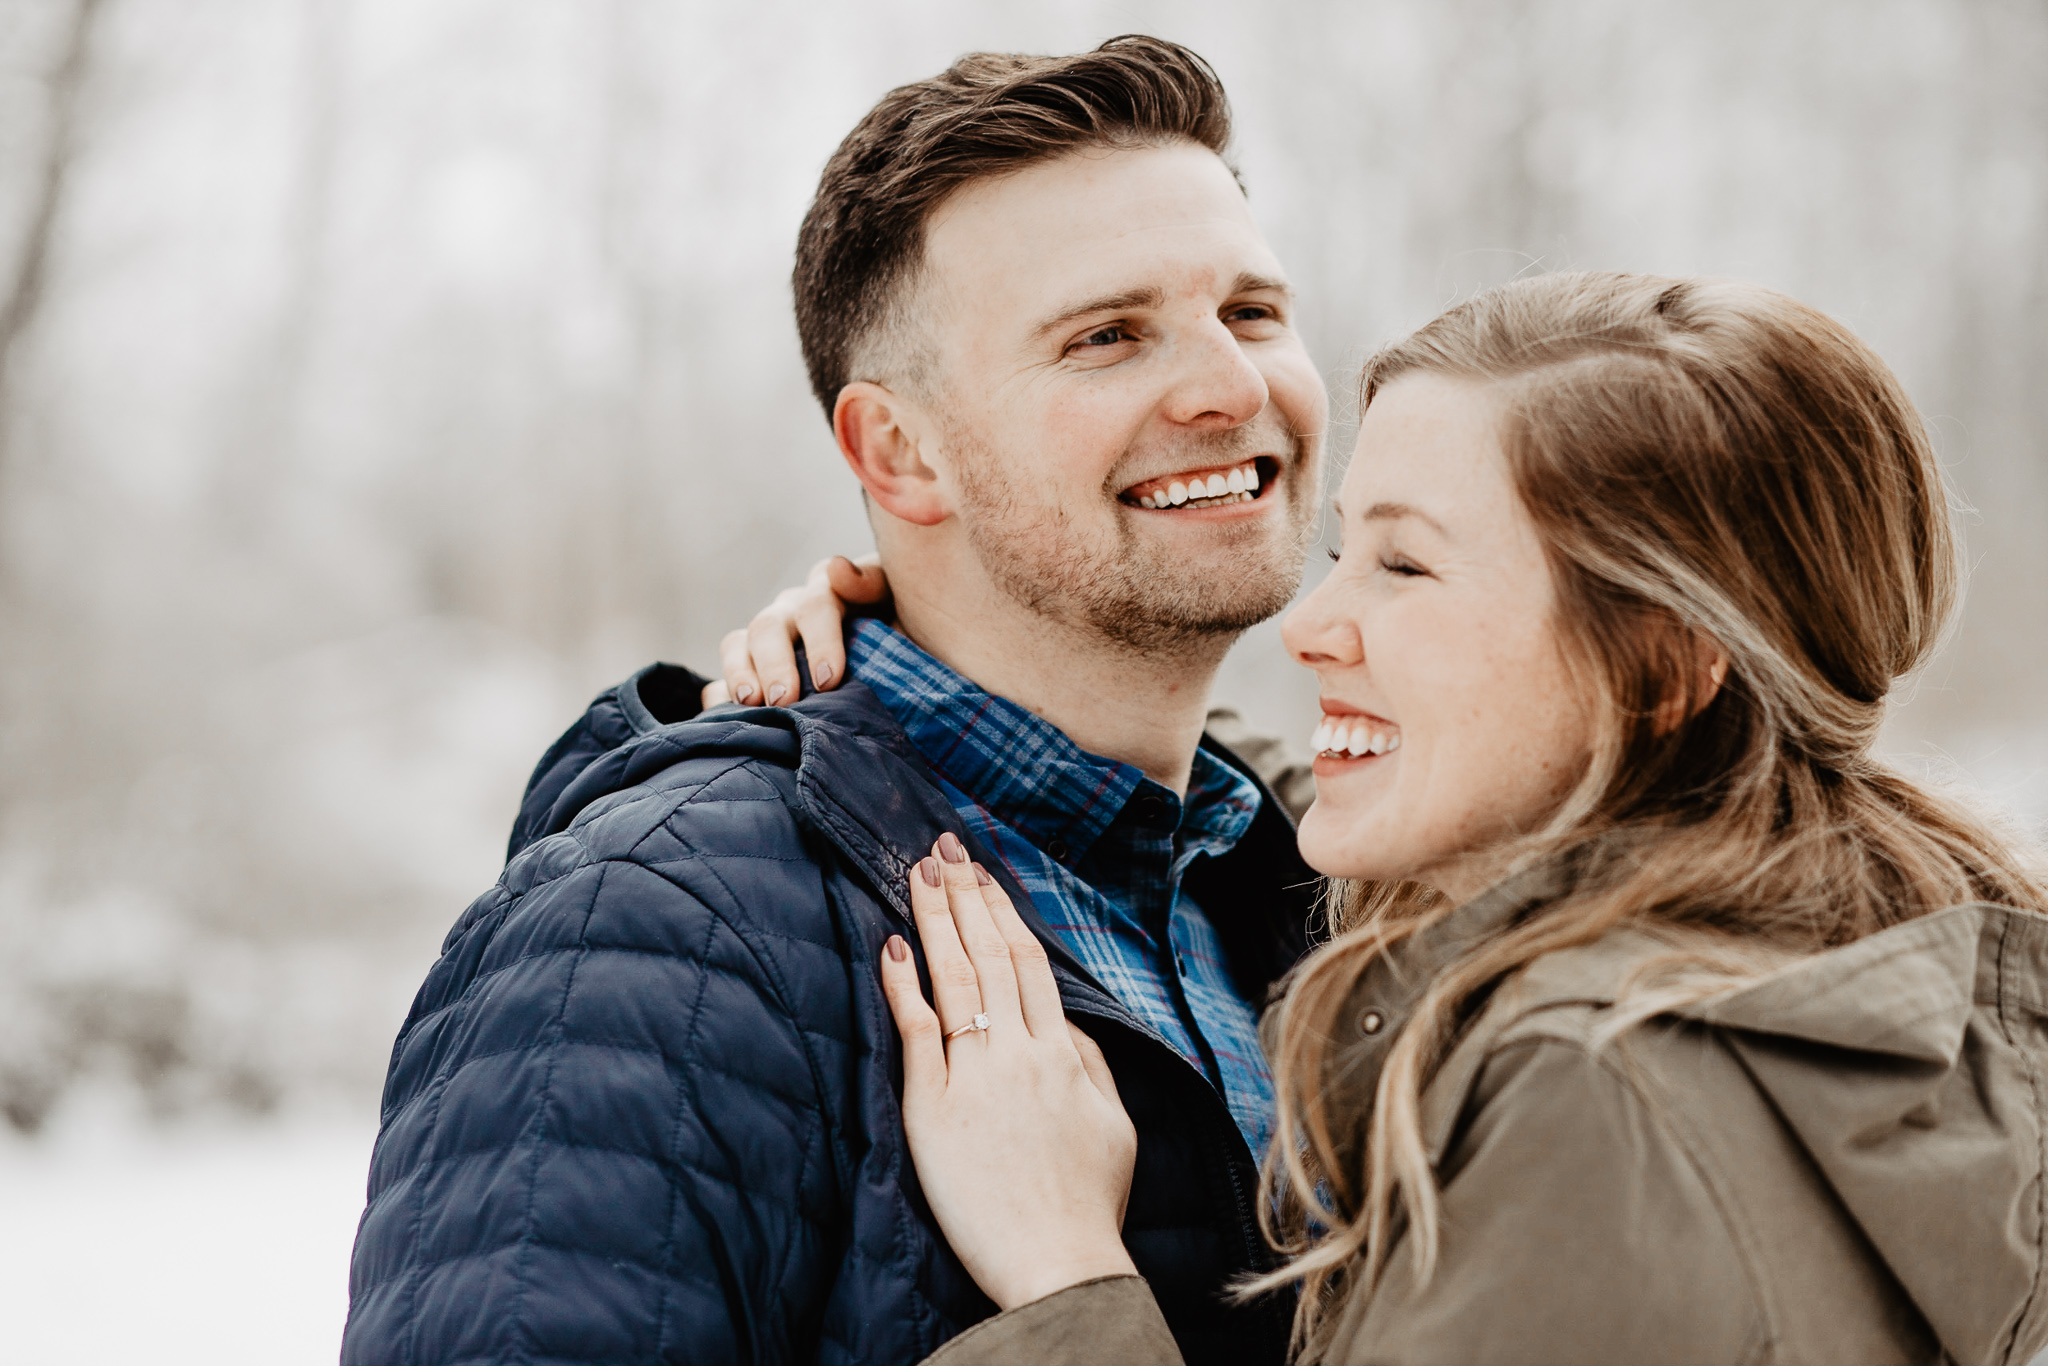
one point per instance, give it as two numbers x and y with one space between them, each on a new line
1320 636
1218 386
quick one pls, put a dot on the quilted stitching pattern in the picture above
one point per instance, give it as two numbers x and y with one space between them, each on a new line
642 1110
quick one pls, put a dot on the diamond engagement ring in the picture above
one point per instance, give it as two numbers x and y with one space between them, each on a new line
973 1026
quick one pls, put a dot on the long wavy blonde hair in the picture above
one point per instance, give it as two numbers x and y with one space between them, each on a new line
1706 463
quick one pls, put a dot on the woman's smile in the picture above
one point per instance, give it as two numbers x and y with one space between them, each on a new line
1348 738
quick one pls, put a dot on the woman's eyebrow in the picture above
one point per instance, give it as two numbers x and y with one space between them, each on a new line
1394 512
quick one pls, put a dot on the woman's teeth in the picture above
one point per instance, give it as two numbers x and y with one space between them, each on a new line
1341 739
1240 485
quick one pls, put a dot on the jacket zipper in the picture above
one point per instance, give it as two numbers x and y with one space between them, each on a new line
1228 1137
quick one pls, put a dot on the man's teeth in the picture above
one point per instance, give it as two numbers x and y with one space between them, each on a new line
1342 738
1241 485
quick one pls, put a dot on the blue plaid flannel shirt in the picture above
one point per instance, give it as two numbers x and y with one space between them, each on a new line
1100 847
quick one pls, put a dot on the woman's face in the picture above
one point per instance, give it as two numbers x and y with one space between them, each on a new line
1449 721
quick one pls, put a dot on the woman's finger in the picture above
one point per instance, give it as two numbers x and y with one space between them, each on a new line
956 985
1093 1062
715 694
986 947
738 668
1037 991
774 655
924 1050
821 621
1097 1068
857 581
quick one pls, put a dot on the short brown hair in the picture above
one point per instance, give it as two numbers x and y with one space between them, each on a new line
988 114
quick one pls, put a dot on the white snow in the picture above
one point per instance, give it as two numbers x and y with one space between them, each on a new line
218 1245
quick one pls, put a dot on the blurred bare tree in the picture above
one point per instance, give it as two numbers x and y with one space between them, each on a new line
46 193
379 378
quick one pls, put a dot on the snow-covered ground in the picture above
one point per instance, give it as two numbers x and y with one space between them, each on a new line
221 1245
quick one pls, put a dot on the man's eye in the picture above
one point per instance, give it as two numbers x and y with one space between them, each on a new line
1249 313
1404 567
1107 336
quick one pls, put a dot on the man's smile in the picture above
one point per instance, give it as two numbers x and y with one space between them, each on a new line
1208 487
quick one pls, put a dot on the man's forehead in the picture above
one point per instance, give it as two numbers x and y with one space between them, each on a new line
1101 224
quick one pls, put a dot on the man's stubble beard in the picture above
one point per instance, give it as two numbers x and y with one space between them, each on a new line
1120 586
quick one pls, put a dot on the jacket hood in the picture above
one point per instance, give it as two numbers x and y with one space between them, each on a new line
1912 1066
1923 1107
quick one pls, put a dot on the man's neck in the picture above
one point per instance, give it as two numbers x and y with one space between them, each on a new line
1145 710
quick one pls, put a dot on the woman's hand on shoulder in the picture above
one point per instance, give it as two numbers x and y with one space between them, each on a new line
759 662
1022 1147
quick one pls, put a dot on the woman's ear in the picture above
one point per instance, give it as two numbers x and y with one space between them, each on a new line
1702 669
882 436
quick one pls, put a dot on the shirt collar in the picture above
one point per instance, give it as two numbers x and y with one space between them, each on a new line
1022 768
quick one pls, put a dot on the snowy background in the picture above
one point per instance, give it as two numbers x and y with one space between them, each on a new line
379 379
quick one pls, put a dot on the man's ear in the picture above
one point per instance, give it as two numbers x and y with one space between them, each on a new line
881 435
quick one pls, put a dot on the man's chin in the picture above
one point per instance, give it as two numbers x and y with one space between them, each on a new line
1154 581
1189 601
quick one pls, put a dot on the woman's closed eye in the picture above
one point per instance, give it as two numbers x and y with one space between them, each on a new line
1392 564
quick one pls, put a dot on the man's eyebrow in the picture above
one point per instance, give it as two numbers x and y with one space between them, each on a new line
1149 296
1247 282
1393 512
1251 283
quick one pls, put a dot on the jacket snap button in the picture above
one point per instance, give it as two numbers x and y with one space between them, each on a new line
1057 850
1371 1022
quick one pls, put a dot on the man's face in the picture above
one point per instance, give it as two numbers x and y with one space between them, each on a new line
1132 429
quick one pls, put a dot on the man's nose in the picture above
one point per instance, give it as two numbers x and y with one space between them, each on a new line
1216 384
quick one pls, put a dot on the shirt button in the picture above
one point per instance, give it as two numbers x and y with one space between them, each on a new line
1056 850
1180 961
1372 1022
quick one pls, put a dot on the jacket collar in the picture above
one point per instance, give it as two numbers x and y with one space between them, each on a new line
866 786
862 785
1387 992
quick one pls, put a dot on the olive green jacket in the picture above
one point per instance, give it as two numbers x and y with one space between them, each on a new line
1840 1162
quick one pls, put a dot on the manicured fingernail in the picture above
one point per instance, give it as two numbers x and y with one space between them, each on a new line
776 694
898 950
928 869
745 694
951 849
981 876
822 675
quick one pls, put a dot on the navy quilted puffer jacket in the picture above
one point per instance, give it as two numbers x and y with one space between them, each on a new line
645 1107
